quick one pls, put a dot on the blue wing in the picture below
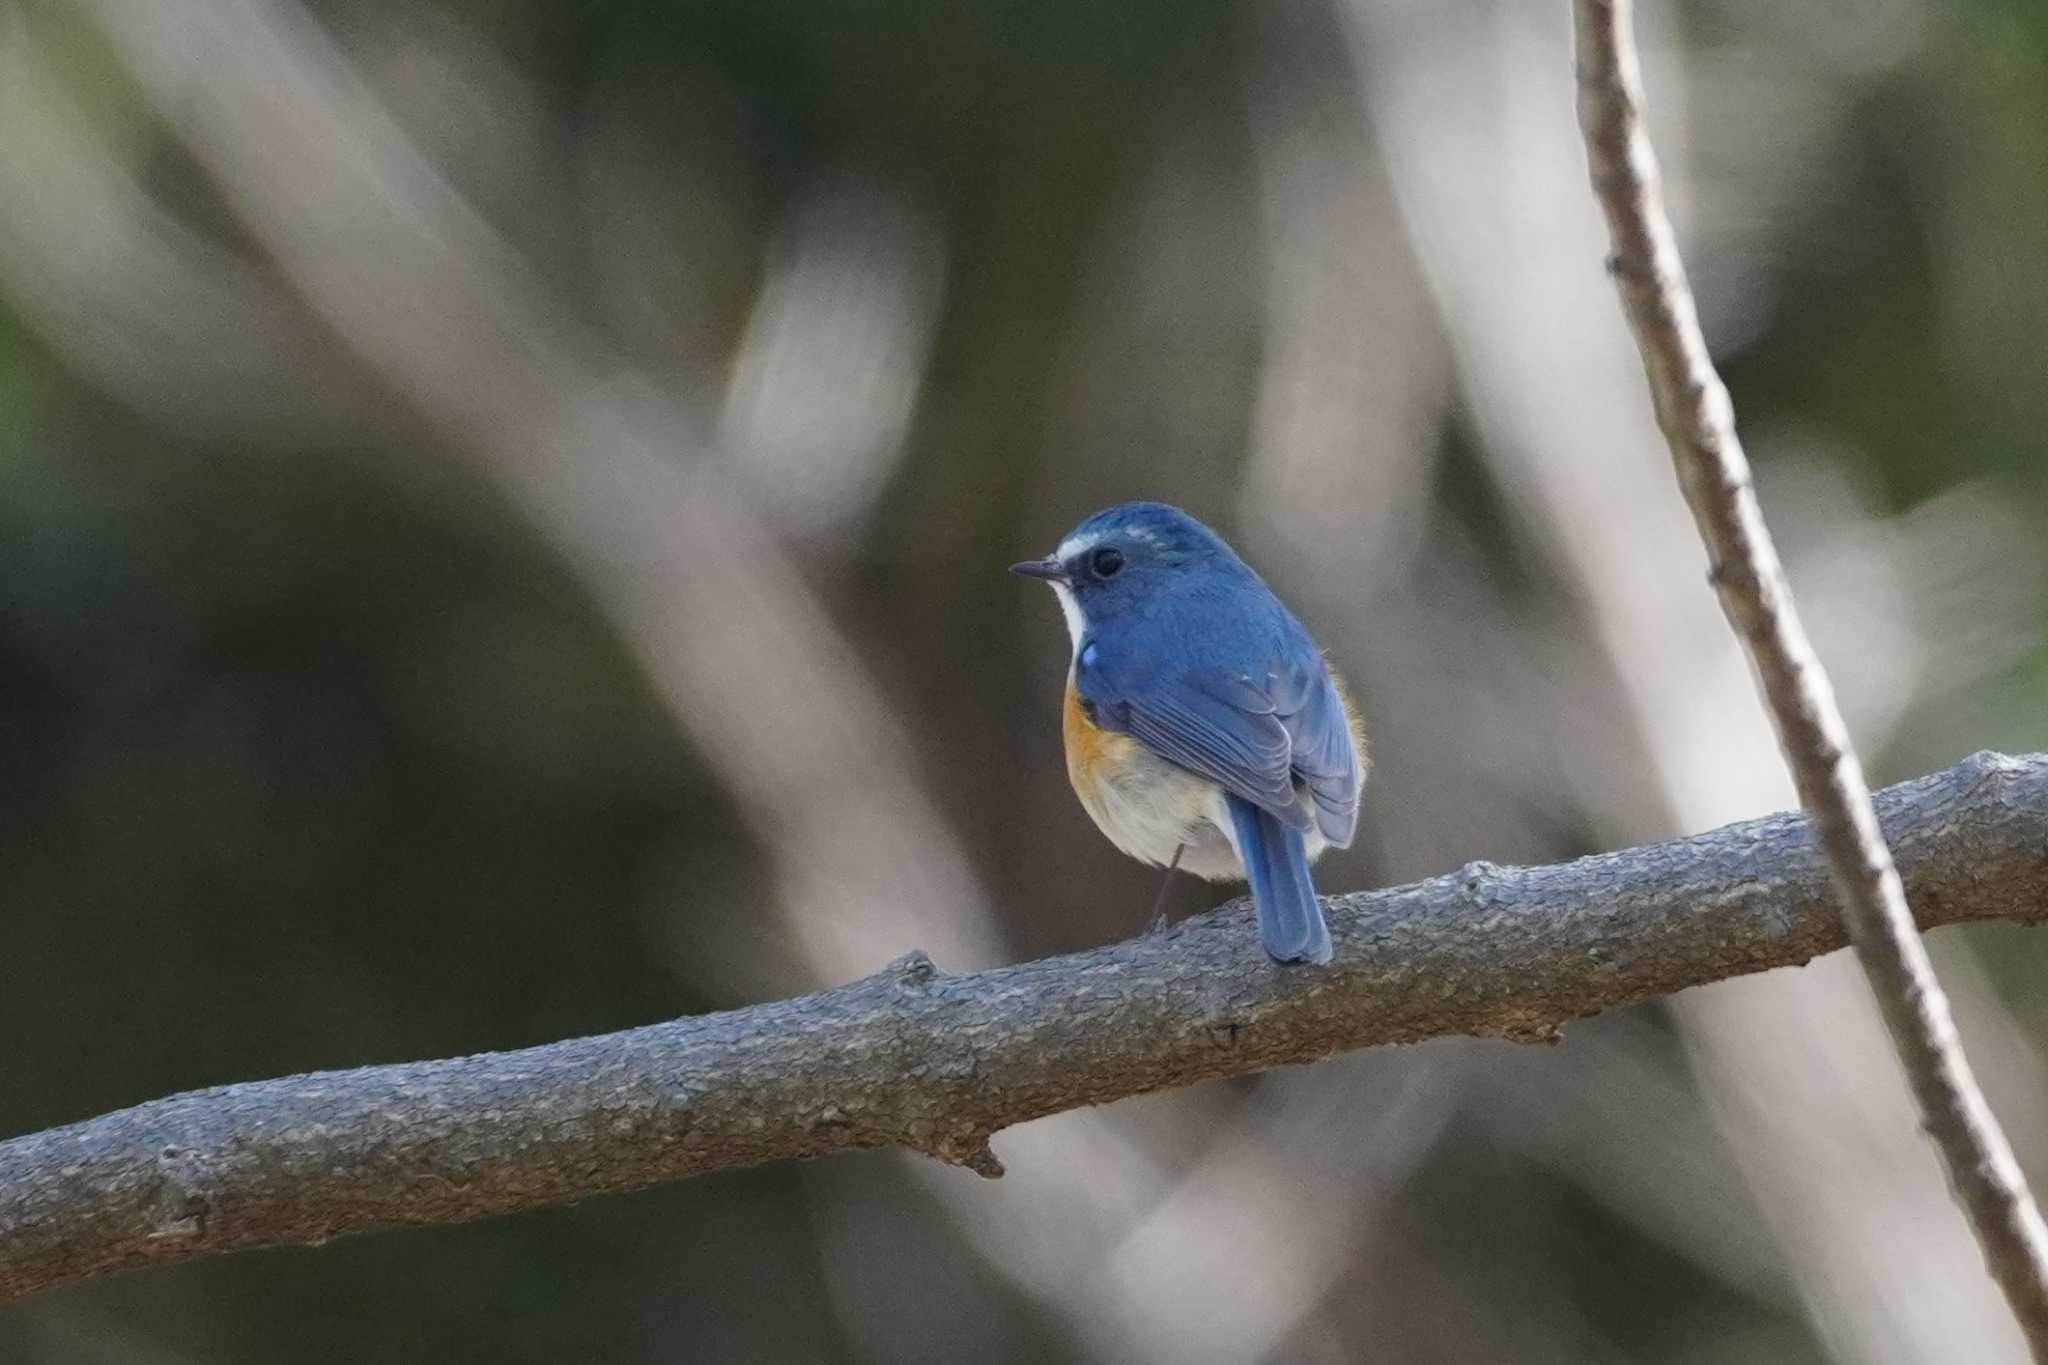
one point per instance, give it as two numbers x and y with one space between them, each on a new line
1327 760
1255 714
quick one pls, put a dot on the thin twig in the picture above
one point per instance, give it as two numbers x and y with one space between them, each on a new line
1699 423
913 1057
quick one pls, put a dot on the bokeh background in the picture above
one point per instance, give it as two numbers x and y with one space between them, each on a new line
502 517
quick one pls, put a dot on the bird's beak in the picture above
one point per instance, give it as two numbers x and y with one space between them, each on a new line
1049 569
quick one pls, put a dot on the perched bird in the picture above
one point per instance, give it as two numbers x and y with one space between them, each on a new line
1203 727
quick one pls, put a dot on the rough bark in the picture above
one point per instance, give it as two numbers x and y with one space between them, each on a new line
1698 421
916 1058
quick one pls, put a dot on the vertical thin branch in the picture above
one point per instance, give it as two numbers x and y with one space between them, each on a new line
1698 420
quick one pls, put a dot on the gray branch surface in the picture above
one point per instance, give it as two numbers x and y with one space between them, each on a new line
913 1057
1698 420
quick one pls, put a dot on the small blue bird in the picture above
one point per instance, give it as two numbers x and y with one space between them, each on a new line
1203 728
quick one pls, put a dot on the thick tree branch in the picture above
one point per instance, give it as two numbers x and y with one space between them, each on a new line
915 1058
1699 424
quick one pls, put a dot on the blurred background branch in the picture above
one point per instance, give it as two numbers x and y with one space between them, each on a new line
612 472
915 1058
1698 419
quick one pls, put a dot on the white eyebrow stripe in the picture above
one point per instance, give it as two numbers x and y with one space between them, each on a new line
1076 545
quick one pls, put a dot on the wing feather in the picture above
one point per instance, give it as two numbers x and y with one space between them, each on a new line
1252 735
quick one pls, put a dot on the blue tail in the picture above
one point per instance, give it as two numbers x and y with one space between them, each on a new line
1276 864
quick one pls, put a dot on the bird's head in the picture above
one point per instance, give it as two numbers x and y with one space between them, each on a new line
1116 561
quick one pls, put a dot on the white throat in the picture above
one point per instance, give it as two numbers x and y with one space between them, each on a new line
1070 608
1070 551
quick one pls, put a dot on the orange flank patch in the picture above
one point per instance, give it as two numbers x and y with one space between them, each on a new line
1351 714
1094 754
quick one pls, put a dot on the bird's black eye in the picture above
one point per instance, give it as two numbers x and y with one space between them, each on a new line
1107 562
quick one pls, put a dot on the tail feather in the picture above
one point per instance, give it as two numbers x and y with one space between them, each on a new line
1276 864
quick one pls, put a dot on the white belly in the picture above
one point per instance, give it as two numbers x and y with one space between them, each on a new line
1151 809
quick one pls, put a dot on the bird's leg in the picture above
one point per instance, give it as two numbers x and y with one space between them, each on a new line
1165 883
